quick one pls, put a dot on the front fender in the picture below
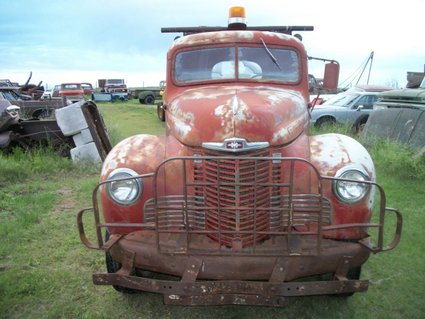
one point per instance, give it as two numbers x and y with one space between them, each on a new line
142 154
329 154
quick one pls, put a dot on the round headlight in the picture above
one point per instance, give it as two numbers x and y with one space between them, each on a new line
354 190
123 187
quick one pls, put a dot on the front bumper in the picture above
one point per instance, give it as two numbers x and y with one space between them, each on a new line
206 277
281 267
215 266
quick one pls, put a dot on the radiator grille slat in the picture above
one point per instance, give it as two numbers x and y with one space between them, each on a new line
239 201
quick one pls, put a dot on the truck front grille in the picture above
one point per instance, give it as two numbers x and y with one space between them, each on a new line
240 201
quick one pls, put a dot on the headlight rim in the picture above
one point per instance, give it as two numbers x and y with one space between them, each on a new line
340 175
131 175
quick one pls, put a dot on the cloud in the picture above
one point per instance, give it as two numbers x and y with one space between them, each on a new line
124 36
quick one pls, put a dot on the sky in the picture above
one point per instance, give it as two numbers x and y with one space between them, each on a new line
85 40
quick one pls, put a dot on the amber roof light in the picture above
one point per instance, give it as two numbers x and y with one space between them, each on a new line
237 18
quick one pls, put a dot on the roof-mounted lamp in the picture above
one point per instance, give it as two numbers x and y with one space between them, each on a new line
237 18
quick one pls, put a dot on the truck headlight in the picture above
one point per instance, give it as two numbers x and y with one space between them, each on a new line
123 187
354 190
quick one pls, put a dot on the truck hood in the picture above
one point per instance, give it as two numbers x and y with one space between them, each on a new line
257 114
417 95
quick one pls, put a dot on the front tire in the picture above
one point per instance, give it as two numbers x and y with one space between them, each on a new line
112 266
359 124
325 122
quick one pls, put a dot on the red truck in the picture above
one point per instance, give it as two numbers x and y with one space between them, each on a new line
237 203
72 91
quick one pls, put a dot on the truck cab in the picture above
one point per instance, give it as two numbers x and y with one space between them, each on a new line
237 203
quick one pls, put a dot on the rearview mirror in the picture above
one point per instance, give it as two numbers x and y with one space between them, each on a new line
331 76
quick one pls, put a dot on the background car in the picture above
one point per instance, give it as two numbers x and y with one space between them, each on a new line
87 88
55 91
72 91
350 107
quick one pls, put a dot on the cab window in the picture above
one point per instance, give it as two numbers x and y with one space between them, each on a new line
240 63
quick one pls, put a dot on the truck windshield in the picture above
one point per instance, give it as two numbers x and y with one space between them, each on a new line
231 63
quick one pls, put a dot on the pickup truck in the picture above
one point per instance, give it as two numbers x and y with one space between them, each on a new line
148 94
237 203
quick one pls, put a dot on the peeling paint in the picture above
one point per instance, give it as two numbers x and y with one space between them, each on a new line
218 37
213 113
131 153
334 151
290 131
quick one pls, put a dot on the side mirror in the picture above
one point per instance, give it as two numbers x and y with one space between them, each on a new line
13 108
331 76
360 107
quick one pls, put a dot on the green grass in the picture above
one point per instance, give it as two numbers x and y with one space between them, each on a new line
45 271
130 118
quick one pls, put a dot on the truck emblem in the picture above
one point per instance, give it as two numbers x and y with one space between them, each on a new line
234 145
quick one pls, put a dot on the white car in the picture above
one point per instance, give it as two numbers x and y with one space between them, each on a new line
350 107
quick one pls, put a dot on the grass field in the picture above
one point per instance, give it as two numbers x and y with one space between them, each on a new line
45 271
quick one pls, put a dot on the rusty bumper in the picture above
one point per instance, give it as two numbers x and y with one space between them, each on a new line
229 277
231 292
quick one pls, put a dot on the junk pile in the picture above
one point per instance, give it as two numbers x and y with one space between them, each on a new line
26 120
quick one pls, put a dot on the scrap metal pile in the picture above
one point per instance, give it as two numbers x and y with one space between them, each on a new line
26 119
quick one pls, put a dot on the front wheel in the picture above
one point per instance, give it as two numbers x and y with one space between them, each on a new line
360 124
325 122
112 266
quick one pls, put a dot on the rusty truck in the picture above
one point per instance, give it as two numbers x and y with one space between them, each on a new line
237 203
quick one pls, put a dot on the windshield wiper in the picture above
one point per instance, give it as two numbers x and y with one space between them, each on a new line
270 54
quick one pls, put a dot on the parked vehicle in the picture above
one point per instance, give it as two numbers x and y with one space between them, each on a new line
237 204
148 94
55 91
413 98
11 93
18 131
28 107
350 107
87 88
112 85
114 89
72 91
8 116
